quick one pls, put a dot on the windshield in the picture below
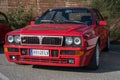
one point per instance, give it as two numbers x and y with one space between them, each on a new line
66 16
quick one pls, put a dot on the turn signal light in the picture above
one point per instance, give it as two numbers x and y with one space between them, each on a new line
80 53
5 49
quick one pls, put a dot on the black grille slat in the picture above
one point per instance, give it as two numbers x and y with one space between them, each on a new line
30 40
62 61
51 40
41 40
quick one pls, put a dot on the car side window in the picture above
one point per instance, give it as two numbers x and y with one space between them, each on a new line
3 19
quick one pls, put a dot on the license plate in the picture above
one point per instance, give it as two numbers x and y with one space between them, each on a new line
34 52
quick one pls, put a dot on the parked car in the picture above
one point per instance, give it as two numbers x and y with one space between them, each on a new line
68 37
4 26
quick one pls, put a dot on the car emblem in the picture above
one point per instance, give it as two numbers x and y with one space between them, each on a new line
24 40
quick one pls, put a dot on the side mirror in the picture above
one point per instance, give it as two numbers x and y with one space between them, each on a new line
32 22
102 23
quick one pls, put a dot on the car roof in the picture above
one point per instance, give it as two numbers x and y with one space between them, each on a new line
72 8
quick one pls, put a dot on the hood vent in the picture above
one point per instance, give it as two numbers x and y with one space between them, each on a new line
46 28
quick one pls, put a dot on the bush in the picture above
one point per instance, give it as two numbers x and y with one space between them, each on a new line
19 18
110 9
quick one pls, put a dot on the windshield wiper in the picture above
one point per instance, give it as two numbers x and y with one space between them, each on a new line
47 21
62 22
72 21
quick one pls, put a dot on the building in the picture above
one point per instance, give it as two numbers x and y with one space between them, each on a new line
40 6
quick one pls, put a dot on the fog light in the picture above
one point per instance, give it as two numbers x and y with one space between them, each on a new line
71 61
13 57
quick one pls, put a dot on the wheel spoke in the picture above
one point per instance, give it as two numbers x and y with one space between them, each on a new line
97 54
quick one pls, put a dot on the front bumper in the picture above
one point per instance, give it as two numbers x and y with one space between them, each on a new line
59 60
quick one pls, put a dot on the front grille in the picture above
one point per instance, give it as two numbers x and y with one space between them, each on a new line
67 52
51 40
30 40
13 50
62 61
41 40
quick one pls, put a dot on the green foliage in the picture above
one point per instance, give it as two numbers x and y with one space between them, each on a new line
110 9
19 18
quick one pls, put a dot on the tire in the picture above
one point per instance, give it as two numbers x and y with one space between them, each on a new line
94 63
107 45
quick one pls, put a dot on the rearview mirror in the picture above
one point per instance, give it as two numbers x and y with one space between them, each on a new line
32 22
102 23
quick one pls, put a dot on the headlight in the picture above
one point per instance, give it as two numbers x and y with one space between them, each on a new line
73 41
77 40
68 40
13 39
10 39
17 39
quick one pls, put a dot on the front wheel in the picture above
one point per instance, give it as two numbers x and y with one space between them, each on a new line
94 63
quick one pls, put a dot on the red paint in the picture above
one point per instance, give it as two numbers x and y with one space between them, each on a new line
89 35
32 22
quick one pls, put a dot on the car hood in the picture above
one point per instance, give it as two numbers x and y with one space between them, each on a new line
52 29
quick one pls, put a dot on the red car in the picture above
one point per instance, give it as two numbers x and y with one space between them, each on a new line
4 26
68 37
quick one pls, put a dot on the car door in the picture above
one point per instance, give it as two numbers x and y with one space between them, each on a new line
100 30
4 26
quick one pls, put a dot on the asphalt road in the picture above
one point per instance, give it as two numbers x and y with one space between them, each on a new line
109 69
